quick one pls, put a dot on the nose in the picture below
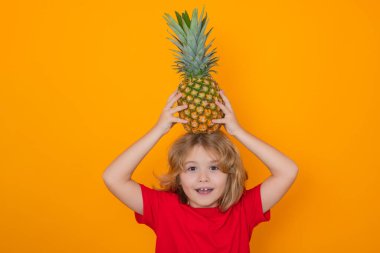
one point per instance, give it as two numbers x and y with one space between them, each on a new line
203 176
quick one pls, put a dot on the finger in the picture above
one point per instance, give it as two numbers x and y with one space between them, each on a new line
222 106
172 95
178 120
175 97
177 109
170 98
173 100
218 121
225 99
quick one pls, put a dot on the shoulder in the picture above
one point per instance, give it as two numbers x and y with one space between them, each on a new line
155 204
251 194
254 197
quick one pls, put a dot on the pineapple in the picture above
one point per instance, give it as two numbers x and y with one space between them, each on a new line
199 89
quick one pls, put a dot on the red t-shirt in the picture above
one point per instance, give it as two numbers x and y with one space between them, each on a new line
182 228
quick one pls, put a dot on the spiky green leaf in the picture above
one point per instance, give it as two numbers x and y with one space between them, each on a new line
179 19
194 20
186 18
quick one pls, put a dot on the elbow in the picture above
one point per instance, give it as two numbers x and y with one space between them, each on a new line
106 177
108 180
294 169
292 172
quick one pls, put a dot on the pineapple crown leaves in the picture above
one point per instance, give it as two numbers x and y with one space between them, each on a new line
193 58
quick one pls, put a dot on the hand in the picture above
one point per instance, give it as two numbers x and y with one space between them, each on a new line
230 122
167 120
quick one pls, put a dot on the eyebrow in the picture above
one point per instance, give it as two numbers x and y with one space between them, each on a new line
213 161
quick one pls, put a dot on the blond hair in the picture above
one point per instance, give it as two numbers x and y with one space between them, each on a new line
229 162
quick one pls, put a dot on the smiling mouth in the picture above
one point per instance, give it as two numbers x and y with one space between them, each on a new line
204 190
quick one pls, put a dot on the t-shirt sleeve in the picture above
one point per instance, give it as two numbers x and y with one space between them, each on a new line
150 207
252 204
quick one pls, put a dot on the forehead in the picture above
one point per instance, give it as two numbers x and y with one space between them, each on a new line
199 153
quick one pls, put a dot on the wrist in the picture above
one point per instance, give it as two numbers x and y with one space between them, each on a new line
238 132
158 131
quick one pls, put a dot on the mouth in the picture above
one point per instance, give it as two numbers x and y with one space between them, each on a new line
204 191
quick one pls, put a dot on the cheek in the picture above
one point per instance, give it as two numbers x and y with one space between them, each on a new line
185 181
222 181
222 177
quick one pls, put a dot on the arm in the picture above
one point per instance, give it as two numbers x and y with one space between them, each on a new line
282 168
278 164
117 176
123 166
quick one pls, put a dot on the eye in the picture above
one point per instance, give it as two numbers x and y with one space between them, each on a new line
192 168
214 168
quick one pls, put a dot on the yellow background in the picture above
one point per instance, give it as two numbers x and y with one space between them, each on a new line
83 80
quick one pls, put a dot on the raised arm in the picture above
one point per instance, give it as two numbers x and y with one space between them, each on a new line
117 176
282 168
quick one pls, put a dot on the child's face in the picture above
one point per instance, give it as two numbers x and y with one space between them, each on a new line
202 180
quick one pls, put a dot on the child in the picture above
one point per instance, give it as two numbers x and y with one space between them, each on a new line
204 206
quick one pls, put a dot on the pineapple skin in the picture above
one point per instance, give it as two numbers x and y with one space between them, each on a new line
199 94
